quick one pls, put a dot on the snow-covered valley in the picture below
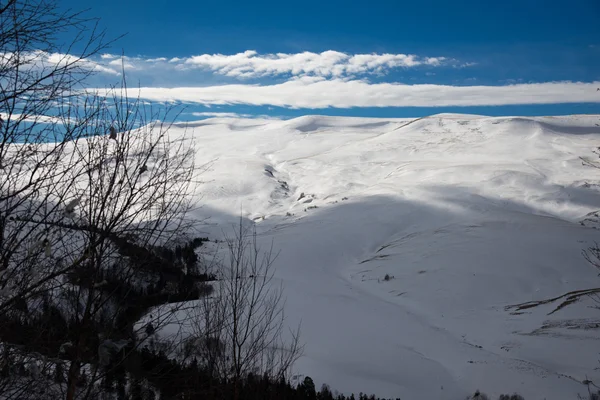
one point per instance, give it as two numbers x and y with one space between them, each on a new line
402 242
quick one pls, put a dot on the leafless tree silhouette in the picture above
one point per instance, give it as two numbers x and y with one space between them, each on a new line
91 189
240 329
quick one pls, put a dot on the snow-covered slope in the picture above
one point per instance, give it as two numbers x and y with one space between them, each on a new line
465 214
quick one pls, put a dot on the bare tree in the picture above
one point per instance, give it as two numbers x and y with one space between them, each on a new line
93 191
89 234
37 77
241 328
133 195
92 188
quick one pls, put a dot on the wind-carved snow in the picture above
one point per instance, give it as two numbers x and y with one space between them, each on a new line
464 214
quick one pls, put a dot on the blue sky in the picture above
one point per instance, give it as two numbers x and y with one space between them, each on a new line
362 58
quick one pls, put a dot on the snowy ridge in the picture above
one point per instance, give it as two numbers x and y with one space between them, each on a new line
464 214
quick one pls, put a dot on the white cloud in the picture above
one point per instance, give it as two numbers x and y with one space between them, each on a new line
40 119
44 61
221 115
233 115
362 63
322 93
124 62
250 64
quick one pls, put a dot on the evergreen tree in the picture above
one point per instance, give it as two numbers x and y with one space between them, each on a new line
325 393
307 389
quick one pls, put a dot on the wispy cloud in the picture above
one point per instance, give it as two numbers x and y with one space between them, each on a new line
311 92
250 64
327 79
221 115
59 59
233 115
40 119
42 60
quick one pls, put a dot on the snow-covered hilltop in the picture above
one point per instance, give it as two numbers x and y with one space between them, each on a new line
403 240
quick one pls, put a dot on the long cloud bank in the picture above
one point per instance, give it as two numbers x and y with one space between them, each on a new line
250 64
314 93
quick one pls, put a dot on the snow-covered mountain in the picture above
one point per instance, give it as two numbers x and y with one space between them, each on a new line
403 240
